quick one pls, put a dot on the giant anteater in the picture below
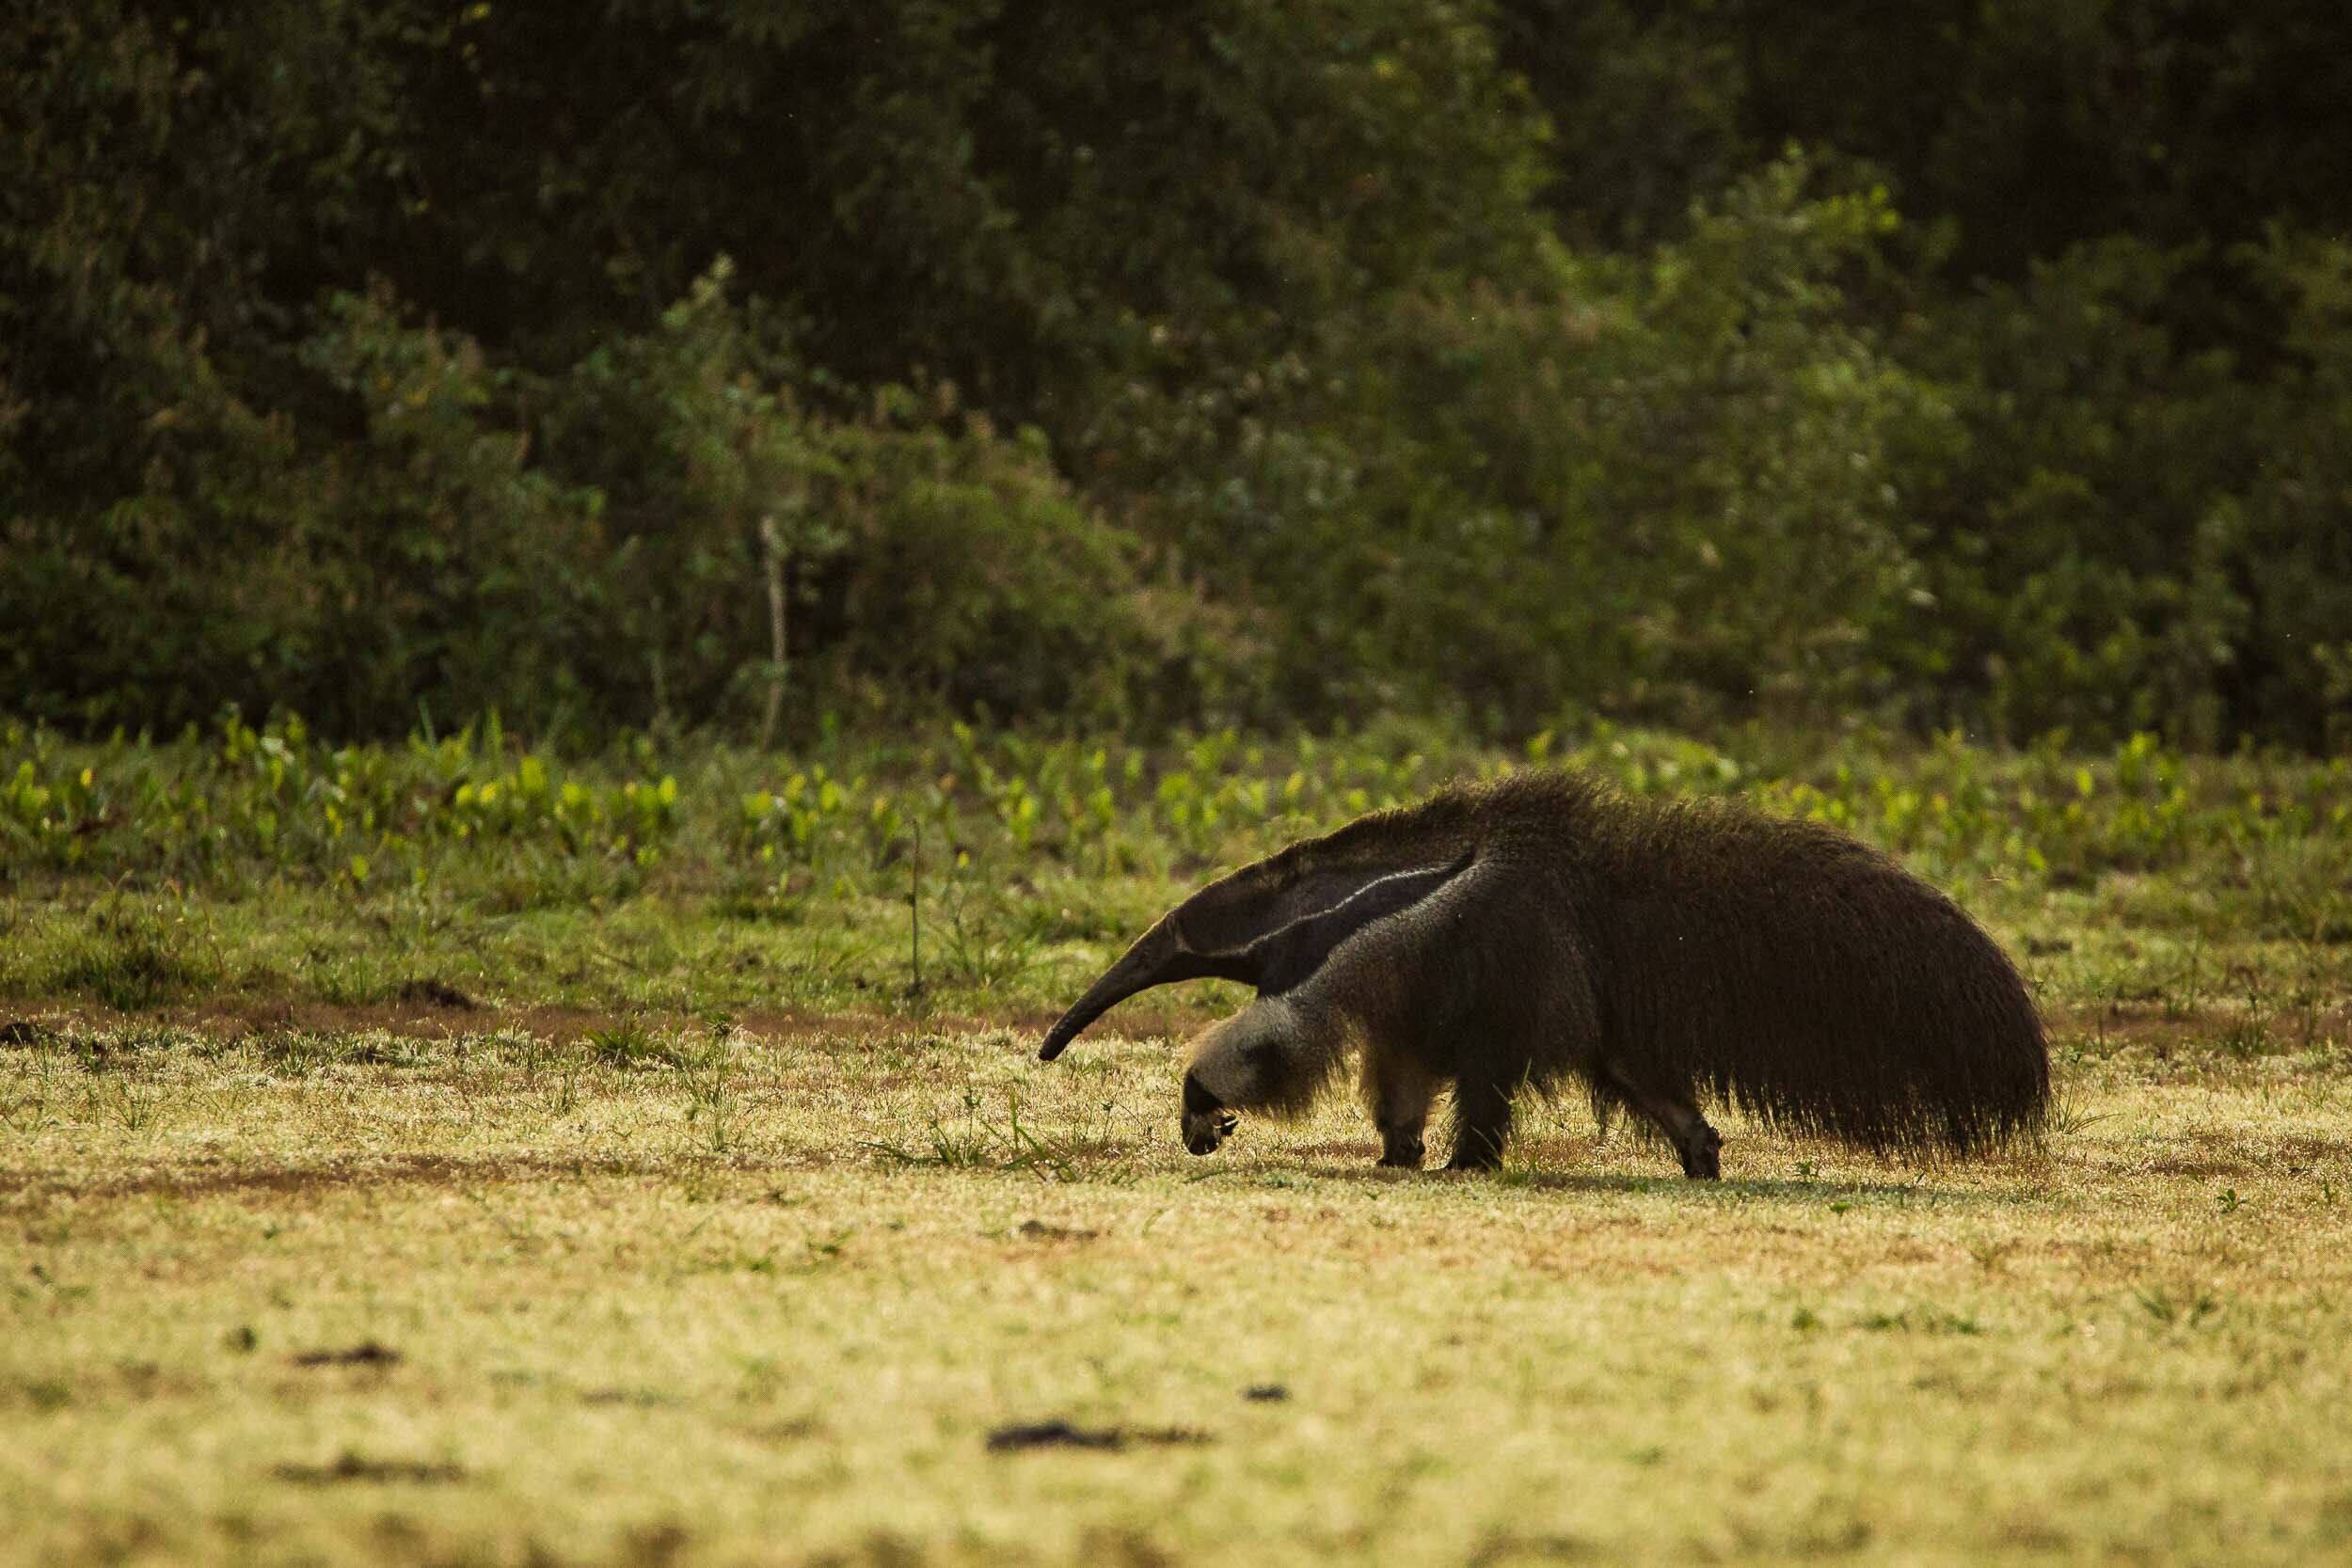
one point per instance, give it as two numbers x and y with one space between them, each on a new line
1543 927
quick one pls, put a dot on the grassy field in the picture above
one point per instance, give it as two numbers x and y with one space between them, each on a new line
453 1154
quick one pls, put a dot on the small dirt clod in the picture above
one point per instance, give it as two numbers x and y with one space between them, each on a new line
367 1353
349 1466
1062 1434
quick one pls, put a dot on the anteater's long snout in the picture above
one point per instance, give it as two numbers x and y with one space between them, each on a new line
1158 957
1139 969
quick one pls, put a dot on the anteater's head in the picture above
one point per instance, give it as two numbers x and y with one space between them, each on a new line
1274 926
1279 926
1254 1061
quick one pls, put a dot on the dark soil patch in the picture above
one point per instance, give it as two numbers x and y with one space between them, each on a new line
437 994
431 1010
349 1466
1022 1437
289 1181
368 1353
420 1015
2200 1155
635 1399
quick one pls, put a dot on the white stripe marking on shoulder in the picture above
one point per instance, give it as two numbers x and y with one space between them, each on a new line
1361 890
1402 924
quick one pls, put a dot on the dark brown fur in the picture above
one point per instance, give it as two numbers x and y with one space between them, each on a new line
1541 930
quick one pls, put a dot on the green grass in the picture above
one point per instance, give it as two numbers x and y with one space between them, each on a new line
597 1183
620 1337
962 876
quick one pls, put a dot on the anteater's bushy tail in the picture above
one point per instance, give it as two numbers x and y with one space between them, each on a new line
1963 1069
1820 988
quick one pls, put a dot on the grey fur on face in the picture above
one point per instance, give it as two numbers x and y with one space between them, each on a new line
1540 930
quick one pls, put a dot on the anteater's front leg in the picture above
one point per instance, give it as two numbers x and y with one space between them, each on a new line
1398 1090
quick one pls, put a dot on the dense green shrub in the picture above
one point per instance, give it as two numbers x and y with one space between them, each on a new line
2084 549
910 549
2110 270
1669 487
1143 365
2293 675
420 431
597 546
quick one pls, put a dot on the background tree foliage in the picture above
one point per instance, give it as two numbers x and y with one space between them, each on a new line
1965 362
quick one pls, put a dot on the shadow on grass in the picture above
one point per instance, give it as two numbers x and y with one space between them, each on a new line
1792 1192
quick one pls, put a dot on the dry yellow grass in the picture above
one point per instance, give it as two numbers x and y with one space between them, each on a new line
768 1305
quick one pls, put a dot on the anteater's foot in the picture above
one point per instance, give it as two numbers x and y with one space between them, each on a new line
1474 1154
1401 1149
1702 1154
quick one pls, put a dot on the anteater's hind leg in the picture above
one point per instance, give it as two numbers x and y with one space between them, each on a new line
1675 1116
1481 1120
1398 1089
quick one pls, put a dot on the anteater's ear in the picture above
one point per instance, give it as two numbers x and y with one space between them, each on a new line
1271 924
